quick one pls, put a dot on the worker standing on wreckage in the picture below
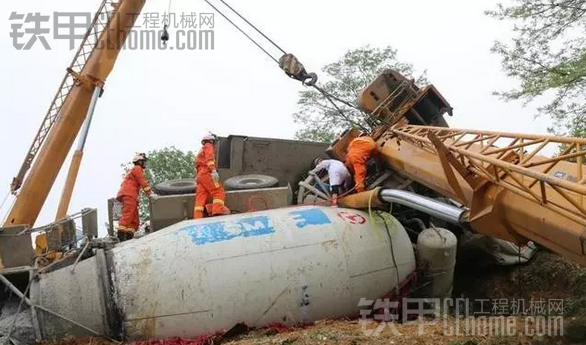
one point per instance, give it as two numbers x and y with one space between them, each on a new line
360 150
208 181
133 182
338 174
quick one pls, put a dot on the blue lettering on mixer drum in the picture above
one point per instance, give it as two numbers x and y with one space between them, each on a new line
202 234
224 231
313 216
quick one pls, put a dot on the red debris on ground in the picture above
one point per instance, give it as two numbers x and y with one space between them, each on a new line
217 338
207 339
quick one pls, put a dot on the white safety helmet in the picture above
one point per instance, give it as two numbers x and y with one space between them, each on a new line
209 137
139 157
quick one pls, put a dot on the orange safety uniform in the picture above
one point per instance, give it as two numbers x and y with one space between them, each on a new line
360 150
205 163
133 182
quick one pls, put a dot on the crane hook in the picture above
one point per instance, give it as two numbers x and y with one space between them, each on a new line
312 79
165 35
294 69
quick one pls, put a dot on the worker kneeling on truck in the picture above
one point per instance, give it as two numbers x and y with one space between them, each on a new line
360 150
133 182
338 174
208 180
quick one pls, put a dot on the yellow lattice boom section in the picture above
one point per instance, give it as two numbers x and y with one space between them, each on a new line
518 187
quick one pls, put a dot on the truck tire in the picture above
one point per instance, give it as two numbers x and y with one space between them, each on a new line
173 187
243 182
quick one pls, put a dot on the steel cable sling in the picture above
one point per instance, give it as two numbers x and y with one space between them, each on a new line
289 63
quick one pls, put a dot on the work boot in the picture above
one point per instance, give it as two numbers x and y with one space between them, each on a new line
121 235
125 235
225 211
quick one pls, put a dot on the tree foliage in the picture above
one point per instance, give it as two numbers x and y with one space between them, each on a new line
345 79
547 55
165 164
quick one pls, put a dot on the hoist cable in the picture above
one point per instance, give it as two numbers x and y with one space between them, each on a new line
254 27
338 99
324 93
8 212
4 200
329 98
242 31
168 20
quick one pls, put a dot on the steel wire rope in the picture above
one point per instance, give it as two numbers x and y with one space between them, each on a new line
167 21
330 97
242 31
254 27
4 202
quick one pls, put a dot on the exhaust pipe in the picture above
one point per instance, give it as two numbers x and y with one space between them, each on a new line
434 208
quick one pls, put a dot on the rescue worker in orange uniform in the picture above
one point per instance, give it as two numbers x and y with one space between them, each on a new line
360 150
133 182
208 180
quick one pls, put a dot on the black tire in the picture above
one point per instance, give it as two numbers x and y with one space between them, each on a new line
243 182
173 187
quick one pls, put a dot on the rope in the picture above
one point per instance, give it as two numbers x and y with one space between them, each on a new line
254 27
372 220
4 200
242 31
167 20
392 250
329 97
169 10
338 98
2 206
8 212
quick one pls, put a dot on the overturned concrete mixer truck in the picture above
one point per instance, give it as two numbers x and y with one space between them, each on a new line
292 260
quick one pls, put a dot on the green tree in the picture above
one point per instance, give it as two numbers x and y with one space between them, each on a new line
547 56
344 79
166 164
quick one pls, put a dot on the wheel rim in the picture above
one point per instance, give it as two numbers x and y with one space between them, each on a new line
251 181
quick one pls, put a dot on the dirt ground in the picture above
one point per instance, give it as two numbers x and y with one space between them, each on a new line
546 277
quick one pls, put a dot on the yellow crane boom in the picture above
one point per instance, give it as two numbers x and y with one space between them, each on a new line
513 192
89 70
512 188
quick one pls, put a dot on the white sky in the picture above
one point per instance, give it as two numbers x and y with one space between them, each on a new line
155 99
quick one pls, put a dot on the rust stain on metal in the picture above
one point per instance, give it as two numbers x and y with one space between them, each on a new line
150 324
330 245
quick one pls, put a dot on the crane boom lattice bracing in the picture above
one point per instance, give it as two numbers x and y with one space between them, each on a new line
515 158
99 23
514 189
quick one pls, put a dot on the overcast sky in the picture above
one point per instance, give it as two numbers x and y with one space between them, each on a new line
159 98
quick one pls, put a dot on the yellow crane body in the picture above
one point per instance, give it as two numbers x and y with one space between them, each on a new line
511 188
